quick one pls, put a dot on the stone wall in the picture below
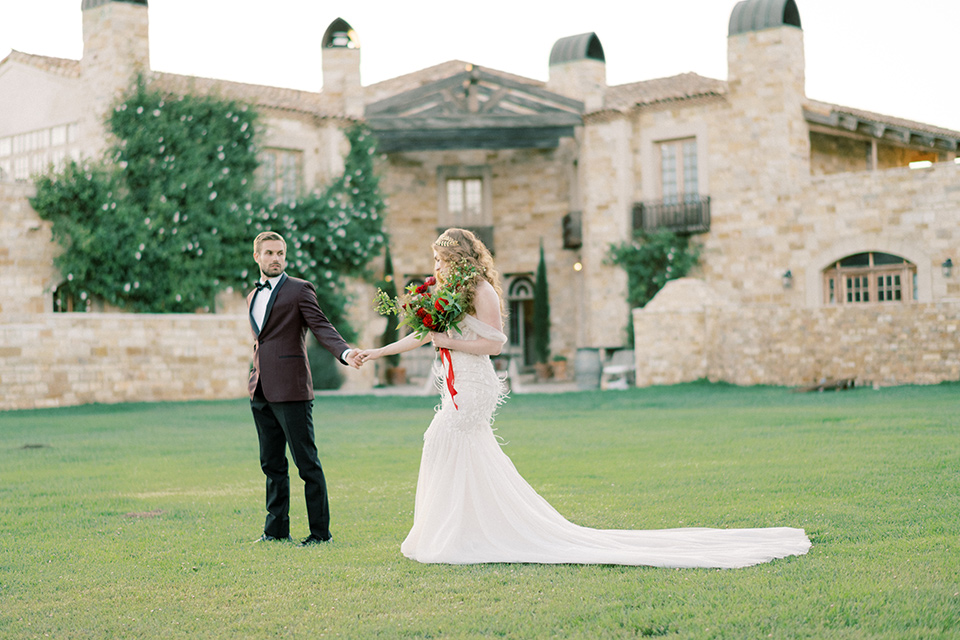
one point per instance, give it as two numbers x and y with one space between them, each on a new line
687 333
52 359
756 236
61 359
838 154
27 251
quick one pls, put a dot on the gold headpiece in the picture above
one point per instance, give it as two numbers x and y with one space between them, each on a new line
446 241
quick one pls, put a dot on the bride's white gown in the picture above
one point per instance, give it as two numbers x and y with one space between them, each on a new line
473 506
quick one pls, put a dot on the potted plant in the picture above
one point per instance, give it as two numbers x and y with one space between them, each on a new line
559 367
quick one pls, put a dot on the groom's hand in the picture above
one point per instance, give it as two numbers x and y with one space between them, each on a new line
353 359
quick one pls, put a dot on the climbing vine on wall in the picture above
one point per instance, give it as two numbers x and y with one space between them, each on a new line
166 222
651 259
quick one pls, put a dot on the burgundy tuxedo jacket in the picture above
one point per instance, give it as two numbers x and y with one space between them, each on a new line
280 350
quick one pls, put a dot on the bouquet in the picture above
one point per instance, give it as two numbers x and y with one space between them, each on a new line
424 310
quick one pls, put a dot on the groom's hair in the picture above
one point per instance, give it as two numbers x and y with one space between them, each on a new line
267 235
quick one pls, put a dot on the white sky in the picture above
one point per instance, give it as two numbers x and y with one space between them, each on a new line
897 57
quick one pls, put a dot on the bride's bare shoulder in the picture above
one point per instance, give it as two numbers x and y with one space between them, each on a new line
487 293
486 304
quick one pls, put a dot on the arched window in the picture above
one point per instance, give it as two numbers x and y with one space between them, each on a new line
870 277
520 301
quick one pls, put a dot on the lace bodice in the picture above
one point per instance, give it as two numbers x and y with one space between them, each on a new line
479 388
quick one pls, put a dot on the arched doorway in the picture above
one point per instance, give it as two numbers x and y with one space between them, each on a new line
520 306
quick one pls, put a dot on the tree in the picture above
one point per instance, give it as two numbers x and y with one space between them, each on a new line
389 286
165 223
541 312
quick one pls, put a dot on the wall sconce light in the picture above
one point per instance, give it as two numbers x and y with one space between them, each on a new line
947 268
787 279
578 265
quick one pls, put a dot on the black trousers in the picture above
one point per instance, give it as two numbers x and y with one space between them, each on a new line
282 424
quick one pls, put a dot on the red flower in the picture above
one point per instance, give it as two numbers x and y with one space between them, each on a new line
429 282
438 306
428 322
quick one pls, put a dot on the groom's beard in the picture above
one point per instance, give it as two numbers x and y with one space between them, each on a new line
273 270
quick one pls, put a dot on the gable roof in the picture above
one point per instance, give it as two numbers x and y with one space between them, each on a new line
416 79
473 109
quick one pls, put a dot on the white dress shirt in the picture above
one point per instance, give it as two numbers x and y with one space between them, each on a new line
260 300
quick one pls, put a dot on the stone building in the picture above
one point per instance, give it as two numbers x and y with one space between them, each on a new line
828 232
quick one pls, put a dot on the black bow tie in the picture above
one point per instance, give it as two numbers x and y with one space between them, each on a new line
263 285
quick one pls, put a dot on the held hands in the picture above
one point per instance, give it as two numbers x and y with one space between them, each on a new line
363 355
353 359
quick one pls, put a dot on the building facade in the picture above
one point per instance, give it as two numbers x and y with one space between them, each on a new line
828 232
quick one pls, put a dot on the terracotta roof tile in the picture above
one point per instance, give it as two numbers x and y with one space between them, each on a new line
60 66
258 95
681 87
254 94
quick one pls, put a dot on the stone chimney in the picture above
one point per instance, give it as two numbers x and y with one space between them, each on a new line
765 77
341 67
116 47
578 70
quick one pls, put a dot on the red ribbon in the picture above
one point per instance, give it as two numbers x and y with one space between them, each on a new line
445 354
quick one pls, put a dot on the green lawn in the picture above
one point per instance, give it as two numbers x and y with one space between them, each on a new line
136 521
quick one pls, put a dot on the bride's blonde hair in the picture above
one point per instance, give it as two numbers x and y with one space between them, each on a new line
455 245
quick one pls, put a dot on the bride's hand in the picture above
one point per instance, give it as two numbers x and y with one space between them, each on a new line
368 354
441 340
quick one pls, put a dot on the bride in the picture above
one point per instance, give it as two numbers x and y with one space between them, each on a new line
472 505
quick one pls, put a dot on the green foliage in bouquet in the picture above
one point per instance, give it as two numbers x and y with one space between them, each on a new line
423 310
166 221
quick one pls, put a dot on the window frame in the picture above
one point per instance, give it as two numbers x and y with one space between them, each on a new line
24 155
279 186
860 284
465 173
686 179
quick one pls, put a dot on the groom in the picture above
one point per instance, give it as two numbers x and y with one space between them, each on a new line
282 309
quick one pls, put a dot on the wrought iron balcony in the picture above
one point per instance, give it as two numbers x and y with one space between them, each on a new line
691 215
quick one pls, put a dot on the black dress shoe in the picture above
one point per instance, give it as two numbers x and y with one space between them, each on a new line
312 539
269 538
